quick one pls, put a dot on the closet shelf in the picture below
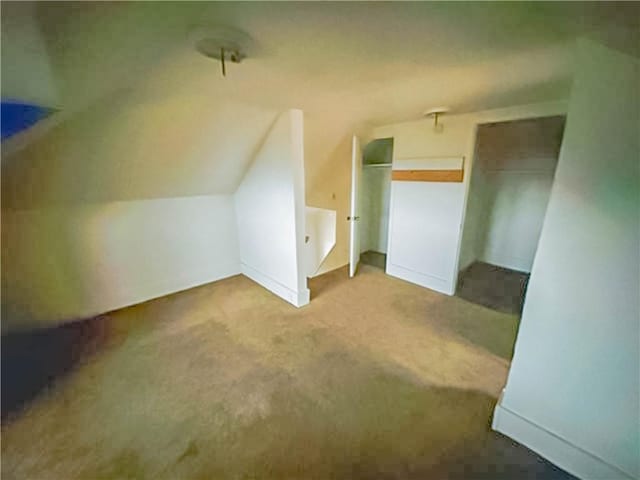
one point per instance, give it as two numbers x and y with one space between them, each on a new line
377 165
427 175
413 170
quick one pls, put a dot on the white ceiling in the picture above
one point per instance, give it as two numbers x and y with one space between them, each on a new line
131 68
387 61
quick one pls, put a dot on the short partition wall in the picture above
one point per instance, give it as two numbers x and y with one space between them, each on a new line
270 213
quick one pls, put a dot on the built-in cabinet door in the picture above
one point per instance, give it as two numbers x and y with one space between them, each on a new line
354 214
425 222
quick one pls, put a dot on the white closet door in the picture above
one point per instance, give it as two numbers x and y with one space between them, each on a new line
424 226
354 217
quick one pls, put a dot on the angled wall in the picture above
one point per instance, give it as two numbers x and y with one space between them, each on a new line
128 200
120 204
573 390
270 212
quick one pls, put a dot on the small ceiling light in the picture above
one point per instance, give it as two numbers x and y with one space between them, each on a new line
436 113
222 43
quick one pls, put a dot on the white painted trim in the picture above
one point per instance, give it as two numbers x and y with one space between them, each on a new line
354 210
557 450
422 279
188 280
297 299
296 119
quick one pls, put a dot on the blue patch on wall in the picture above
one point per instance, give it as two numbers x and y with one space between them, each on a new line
16 116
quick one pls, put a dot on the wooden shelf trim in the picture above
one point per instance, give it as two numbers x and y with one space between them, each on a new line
427 175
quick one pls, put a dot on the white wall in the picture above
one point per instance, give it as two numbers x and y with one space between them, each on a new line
26 68
475 215
374 225
518 202
64 260
515 165
135 145
573 389
270 212
473 218
157 167
417 139
70 262
328 185
413 255
378 151
320 238
425 220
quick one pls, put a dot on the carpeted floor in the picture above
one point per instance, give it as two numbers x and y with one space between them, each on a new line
375 259
376 378
494 287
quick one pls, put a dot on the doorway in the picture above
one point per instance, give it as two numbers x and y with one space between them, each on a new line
511 181
375 194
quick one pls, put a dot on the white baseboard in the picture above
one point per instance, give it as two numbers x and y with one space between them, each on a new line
136 294
297 299
557 450
427 281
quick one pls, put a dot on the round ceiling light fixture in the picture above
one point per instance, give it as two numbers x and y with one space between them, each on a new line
436 113
225 44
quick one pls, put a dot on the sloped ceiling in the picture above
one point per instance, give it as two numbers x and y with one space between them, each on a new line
132 67
26 71
311 50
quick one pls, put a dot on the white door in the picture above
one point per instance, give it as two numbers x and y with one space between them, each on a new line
424 226
354 214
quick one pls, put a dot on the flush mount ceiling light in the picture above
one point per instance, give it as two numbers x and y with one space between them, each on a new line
436 113
225 44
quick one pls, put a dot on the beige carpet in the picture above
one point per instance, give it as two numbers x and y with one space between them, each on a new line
375 259
376 378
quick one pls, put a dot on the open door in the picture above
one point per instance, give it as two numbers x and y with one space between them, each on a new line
354 215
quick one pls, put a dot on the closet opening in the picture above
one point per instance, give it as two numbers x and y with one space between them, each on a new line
375 193
511 181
